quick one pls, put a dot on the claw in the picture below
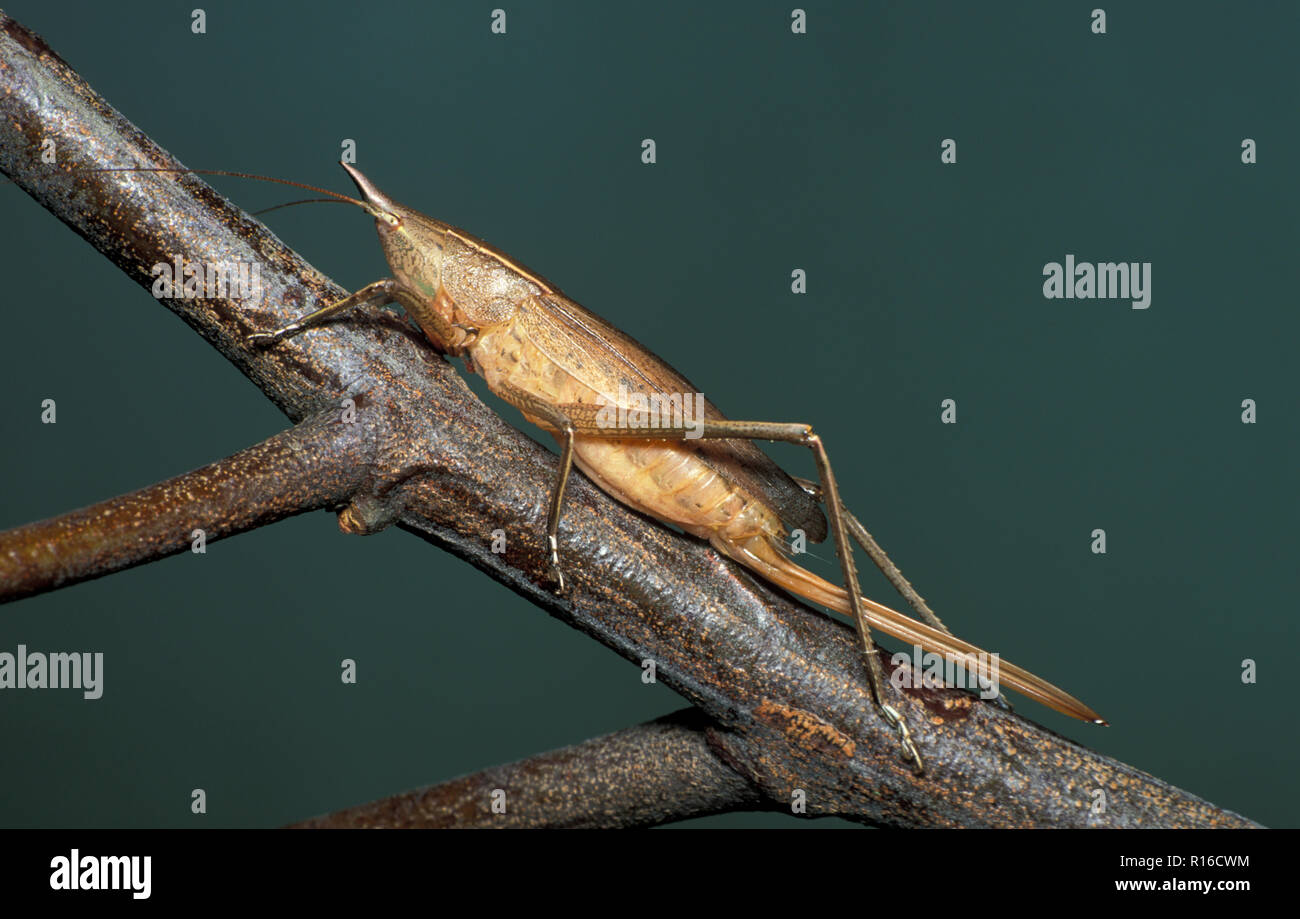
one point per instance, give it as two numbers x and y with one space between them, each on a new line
266 339
556 573
904 737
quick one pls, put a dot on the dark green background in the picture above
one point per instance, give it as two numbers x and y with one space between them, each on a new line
775 151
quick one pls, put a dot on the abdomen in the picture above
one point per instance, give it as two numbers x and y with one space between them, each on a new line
667 479
671 481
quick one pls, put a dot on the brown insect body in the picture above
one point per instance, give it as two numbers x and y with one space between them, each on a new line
523 335
536 348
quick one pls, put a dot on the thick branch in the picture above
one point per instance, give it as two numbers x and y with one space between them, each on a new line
785 684
654 773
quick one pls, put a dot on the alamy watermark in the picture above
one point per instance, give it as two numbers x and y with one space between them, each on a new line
638 411
75 871
181 279
931 670
56 670
1103 281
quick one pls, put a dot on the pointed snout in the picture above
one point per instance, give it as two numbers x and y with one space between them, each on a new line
369 191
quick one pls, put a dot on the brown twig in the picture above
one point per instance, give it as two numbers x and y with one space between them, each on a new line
319 463
646 775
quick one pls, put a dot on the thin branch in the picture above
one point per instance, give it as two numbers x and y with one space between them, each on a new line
785 685
654 773
319 463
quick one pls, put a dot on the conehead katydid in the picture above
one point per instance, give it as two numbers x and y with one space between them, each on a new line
590 385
